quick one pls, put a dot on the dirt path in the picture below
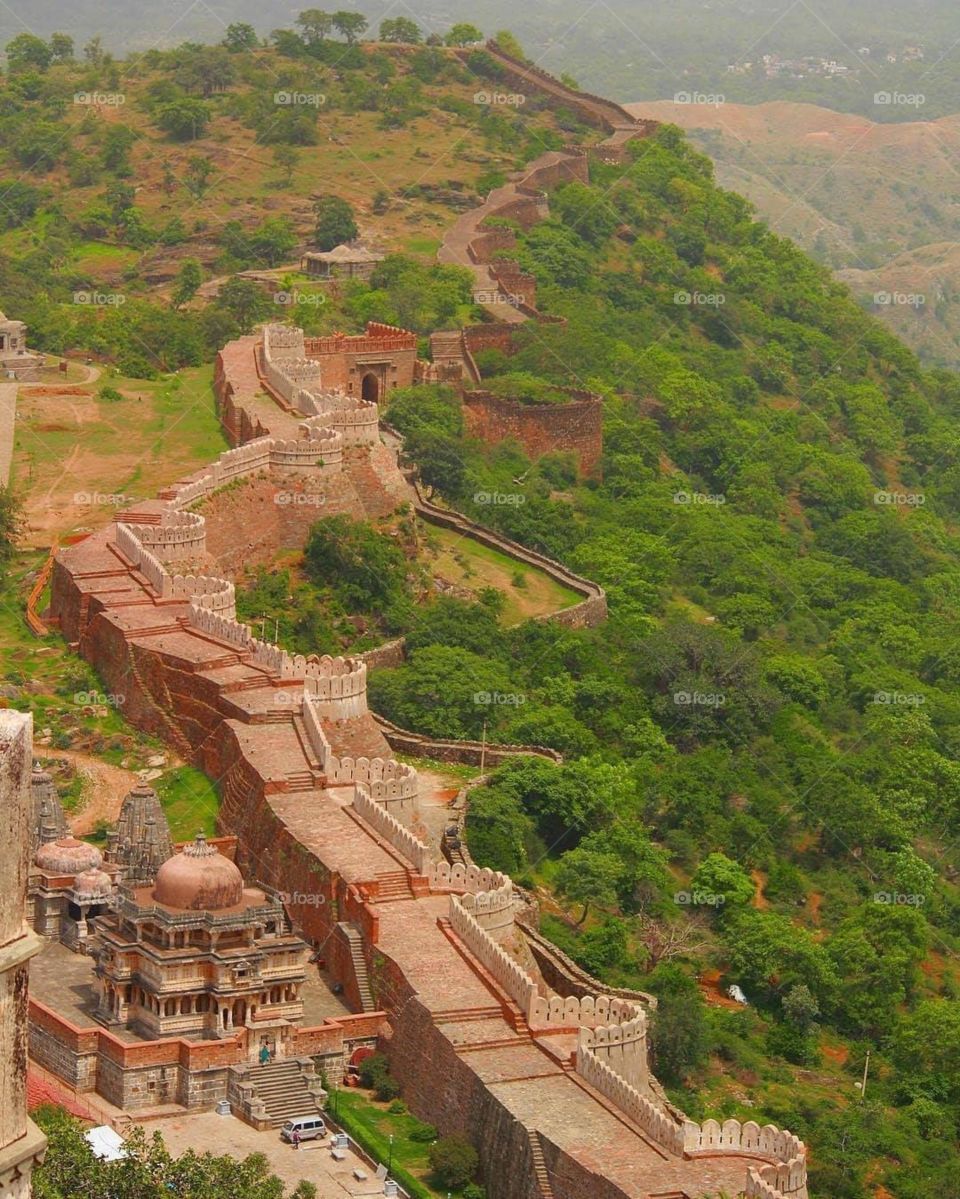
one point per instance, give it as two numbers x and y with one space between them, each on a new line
437 792
104 788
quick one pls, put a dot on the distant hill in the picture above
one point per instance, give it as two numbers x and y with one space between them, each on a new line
629 49
878 203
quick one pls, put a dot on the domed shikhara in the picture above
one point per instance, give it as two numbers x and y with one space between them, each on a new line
198 879
67 855
93 884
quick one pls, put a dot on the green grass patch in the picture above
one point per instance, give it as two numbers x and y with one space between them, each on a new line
190 802
371 1125
467 562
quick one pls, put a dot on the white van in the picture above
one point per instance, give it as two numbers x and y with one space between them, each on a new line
310 1128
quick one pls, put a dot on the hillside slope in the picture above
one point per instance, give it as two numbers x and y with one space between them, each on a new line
879 203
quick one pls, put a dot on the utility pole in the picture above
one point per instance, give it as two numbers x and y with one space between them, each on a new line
863 1085
483 748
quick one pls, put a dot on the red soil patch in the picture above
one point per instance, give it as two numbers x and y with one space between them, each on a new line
709 983
814 903
61 389
759 881
836 1053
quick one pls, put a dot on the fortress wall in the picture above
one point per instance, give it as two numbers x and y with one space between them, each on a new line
576 427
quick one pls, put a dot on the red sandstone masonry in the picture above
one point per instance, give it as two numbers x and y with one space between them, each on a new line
576 427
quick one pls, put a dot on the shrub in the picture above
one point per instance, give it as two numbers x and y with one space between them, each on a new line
454 1161
387 1088
373 1069
423 1133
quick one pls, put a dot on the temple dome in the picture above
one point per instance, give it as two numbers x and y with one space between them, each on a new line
198 878
93 884
67 855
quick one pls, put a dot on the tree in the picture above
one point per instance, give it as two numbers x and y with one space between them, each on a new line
11 522
463 34
196 178
351 24
28 52
316 25
718 876
508 42
61 47
588 877
401 29
678 1037
240 36
93 51
185 120
147 1170
115 151
454 1161
287 158
189 278
335 222
244 301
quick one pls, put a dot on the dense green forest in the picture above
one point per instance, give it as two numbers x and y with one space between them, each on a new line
762 740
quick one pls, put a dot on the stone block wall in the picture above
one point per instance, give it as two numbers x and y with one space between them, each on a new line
575 427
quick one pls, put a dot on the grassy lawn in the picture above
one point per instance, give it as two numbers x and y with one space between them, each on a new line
371 1125
189 801
79 456
529 592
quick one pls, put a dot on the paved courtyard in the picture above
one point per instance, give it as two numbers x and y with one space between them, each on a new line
206 1132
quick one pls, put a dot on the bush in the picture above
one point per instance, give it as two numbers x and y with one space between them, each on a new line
423 1133
387 1088
373 1069
397 1108
454 1161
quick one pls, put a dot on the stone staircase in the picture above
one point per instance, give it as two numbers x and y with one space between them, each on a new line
393 885
267 1096
544 1189
355 942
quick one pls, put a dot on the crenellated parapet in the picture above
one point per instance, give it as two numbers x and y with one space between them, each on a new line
389 827
292 369
391 783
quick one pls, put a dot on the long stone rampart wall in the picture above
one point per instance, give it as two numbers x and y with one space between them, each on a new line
652 1118
386 779
508 973
390 828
